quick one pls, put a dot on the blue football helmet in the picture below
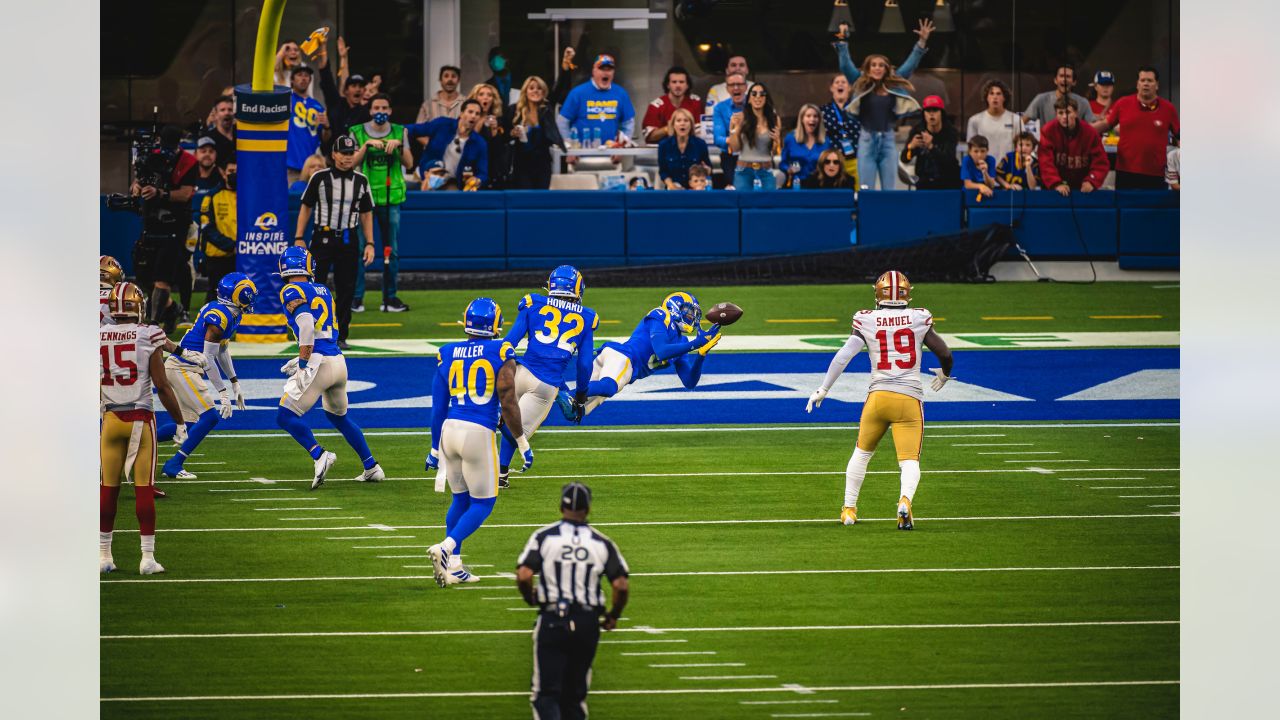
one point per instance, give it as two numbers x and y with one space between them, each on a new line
296 261
237 290
566 282
483 318
684 309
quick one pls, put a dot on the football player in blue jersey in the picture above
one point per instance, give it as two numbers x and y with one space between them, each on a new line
319 371
556 326
215 326
474 383
658 341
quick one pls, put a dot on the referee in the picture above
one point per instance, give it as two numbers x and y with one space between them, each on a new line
570 559
339 197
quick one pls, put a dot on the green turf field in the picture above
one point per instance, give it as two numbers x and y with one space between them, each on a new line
1041 581
1025 307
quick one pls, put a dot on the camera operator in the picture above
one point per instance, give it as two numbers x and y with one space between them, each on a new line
165 177
340 199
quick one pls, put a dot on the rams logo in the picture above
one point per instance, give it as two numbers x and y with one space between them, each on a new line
266 221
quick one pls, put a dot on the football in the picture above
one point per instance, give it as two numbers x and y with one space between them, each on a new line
725 313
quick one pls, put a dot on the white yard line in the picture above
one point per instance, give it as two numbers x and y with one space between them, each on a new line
578 449
1132 487
419 556
525 609
1079 479
504 599
298 519
638 642
736 428
819 715
286 509
991 444
254 490
788 702
1050 461
370 537
688 573
1164 506
642 692
641 523
1149 496
388 547
204 463
728 677
696 665
275 499
792 628
672 652
1024 452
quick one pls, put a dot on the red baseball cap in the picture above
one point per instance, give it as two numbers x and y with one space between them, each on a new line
933 102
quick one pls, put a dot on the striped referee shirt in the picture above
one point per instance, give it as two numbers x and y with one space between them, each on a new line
570 559
337 198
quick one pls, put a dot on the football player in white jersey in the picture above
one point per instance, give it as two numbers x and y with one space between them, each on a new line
131 362
892 334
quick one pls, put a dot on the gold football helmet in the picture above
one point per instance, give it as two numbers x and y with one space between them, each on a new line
893 290
126 300
109 271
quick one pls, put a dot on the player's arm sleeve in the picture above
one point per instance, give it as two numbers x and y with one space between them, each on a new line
211 350
586 349
306 327
851 347
224 359
439 408
689 368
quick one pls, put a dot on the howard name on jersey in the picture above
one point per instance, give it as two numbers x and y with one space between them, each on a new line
126 364
555 330
470 371
895 341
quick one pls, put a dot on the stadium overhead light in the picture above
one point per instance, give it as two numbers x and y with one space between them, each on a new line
840 14
891 23
942 20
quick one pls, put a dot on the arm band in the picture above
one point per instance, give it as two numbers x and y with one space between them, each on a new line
224 359
851 347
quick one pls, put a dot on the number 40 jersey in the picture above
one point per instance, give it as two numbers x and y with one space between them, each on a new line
894 339
469 370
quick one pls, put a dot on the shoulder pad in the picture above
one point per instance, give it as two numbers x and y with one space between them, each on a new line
595 320
525 302
291 291
506 352
658 314
215 316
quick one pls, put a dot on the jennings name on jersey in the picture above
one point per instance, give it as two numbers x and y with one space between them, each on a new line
895 339
217 314
556 329
470 372
126 365
317 300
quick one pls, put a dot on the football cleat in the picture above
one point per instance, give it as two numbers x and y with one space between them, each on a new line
373 474
904 514
564 401
849 515
105 563
504 480
323 463
462 575
157 493
149 566
440 565
180 474
893 290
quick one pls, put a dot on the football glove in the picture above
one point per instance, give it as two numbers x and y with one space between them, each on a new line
224 404
433 460
815 400
290 367
527 452
940 379
194 357
579 407
180 434
706 340
237 394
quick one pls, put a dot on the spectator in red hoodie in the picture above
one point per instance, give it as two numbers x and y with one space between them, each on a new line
1145 121
1071 155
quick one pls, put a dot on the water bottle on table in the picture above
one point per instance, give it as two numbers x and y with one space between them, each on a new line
573 138
595 137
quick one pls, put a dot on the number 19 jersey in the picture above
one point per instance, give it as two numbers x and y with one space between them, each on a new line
894 339
470 371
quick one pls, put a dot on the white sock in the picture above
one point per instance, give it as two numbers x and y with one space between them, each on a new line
149 544
854 474
910 477
449 544
455 562
104 543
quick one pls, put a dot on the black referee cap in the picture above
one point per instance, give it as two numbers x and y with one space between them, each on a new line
575 496
344 144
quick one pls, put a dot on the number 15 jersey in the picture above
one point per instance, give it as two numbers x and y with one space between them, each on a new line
895 338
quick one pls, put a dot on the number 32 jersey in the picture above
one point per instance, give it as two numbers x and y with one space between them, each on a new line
556 328
895 339
470 372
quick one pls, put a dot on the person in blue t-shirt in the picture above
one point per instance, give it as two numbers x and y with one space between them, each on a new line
976 171
308 123
598 103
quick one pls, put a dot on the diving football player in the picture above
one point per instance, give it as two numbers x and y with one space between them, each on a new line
557 327
658 341
211 334
319 370
474 382
892 334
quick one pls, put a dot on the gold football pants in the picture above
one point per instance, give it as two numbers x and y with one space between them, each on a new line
128 446
904 414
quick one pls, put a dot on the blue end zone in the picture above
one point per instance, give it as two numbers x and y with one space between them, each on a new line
1003 384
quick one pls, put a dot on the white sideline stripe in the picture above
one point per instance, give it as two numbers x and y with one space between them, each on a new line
298 519
287 509
388 547
1076 479
776 628
673 652
627 642
636 523
1148 496
663 691
419 556
592 449
525 609
1164 506
262 480
991 444
686 573
508 598
983 471
372 537
1047 461
815 715
254 490
203 463
275 499
1023 452
788 702
383 528
728 677
732 428
1132 487
696 665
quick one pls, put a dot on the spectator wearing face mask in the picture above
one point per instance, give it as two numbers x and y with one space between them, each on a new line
382 151
501 78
